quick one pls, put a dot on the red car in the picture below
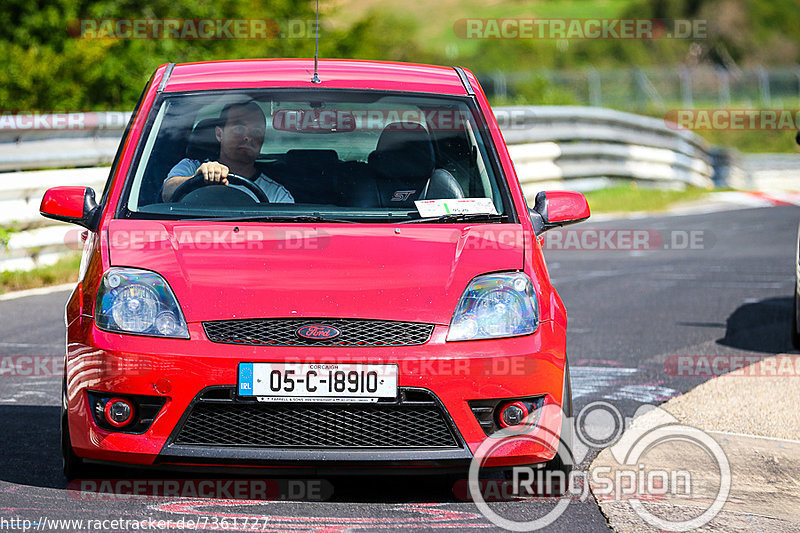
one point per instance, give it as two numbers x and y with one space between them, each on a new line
328 274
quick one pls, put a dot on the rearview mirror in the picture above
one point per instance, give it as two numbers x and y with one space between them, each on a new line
553 209
71 204
314 120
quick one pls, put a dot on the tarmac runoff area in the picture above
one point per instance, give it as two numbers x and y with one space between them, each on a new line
750 416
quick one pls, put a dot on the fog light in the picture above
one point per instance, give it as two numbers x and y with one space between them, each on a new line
513 414
118 412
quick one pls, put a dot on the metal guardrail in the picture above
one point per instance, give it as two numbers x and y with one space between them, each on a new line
656 88
552 147
59 140
20 196
586 147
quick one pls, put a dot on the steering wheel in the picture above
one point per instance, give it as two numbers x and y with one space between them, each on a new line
196 182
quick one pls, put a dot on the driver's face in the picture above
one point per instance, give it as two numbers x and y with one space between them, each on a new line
242 136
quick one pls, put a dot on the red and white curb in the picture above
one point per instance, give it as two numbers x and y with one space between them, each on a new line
758 198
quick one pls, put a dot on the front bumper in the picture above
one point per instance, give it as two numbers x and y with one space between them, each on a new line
179 370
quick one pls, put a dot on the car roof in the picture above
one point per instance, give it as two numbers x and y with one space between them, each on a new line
333 73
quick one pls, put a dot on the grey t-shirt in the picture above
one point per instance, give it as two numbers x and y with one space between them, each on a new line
276 193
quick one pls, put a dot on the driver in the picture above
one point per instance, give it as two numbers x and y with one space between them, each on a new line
240 138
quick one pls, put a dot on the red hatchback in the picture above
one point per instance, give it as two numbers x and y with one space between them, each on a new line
327 274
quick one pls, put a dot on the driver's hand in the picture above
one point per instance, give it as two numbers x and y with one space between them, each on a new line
213 172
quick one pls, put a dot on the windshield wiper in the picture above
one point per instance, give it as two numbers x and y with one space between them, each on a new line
279 218
460 217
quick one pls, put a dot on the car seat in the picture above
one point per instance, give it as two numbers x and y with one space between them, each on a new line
404 165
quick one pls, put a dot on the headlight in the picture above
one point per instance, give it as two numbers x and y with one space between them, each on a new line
137 301
495 305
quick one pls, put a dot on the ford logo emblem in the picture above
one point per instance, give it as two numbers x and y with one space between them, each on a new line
318 332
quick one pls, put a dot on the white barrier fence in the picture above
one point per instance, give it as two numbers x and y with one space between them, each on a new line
20 196
570 147
585 147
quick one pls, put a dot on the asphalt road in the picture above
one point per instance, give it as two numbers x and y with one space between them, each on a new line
703 285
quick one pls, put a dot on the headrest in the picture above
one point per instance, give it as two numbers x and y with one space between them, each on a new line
203 143
312 159
404 151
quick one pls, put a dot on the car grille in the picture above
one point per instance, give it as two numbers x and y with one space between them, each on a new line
282 332
418 422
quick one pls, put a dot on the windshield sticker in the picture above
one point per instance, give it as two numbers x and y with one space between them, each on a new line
455 206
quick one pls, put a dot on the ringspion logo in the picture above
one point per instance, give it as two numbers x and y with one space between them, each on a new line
630 478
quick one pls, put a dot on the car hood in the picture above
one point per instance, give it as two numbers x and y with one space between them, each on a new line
410 272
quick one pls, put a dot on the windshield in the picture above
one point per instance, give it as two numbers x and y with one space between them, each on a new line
339 156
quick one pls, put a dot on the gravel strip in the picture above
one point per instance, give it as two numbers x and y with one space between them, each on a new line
763 400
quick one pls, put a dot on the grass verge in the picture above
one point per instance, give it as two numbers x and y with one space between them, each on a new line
64 271
754 141
631 198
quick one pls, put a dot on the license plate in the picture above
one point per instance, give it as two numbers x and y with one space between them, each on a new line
317 382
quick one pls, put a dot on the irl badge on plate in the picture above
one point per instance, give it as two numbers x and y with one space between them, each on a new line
245 379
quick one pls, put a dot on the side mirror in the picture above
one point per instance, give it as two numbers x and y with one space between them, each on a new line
71 204
553 209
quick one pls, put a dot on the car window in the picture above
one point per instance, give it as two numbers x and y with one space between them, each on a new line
362 156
